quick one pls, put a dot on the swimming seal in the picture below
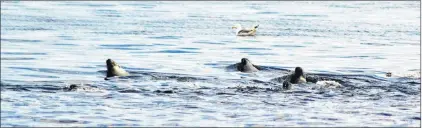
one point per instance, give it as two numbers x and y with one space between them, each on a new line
246 66
82 87
113 69
296 77
388 74
72 87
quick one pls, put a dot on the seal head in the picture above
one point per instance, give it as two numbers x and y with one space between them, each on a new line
295 78
298 76
388 74
246 66
113 69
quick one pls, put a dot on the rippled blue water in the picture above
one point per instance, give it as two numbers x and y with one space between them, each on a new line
46 46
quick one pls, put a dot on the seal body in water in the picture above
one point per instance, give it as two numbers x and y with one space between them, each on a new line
388 74
246 66
296 77
114 69
82 87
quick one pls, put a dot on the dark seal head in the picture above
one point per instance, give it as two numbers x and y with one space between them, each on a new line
244 61
298 71
295 78
388 74
113 69
72 87
246 66
298 76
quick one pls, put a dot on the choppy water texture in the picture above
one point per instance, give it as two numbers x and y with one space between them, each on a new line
177 53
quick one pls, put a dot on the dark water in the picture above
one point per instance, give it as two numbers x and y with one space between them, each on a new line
177 53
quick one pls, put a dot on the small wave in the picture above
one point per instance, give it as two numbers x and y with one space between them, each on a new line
166 37
20 40
329 84
177 51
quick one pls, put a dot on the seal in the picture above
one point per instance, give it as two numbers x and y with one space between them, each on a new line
246 66
82 87
388 74
113 69
296 77
73 87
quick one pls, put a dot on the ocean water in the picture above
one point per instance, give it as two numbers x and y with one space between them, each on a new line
46 46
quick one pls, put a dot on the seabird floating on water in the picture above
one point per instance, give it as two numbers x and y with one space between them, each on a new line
244 32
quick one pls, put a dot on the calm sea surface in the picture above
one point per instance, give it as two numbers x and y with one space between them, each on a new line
46 46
